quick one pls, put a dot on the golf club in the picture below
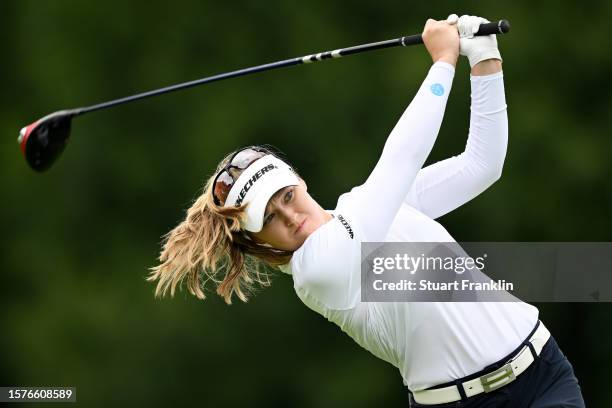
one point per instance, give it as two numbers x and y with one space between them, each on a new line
43 141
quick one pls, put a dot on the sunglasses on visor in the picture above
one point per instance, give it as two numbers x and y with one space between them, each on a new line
225 179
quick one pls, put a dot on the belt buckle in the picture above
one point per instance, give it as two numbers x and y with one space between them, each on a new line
498 378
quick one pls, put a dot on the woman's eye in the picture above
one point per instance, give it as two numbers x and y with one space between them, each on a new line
269 218
288 195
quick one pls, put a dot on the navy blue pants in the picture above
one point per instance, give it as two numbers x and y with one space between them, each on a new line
548 382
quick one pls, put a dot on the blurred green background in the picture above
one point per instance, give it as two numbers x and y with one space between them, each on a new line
76 310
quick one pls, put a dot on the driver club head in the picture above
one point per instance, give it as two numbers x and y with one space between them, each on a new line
44 140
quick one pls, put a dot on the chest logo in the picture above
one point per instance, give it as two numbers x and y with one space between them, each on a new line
346 225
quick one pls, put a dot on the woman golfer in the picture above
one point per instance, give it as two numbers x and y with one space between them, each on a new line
256 212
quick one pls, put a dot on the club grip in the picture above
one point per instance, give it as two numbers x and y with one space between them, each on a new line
495 27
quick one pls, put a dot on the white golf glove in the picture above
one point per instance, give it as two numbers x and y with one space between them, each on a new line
475 48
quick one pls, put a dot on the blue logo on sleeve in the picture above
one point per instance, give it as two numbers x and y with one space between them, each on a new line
437 89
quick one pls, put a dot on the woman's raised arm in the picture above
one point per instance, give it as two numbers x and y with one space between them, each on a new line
412 138
446 185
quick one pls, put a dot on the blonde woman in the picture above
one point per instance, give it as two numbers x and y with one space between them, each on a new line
256 213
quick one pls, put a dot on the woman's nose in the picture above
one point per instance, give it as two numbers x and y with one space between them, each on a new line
291 218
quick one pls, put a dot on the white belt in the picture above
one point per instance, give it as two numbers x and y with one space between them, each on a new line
490 381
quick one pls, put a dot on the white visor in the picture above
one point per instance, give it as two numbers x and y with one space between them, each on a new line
256 185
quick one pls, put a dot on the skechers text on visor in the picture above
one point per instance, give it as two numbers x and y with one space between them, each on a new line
256 185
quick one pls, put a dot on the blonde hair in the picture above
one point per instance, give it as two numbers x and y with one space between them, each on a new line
209 245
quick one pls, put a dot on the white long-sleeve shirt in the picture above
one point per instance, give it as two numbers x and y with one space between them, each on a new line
430 343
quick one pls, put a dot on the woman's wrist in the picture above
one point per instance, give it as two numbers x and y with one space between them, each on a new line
487 67
448 58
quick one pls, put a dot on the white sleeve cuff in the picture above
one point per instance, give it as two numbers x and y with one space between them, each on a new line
481 78
488 95
444 65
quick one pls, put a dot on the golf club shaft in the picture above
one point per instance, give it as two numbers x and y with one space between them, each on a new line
499 27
